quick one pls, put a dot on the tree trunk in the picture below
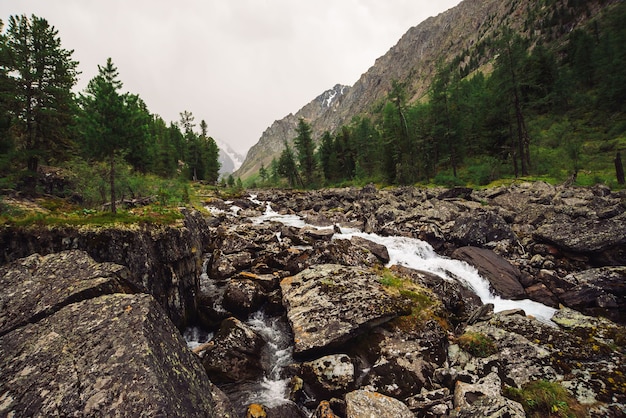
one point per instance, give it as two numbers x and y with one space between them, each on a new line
112 179
619 168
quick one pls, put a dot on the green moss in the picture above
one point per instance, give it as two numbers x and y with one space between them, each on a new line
424 305
477 344
149 214
542 398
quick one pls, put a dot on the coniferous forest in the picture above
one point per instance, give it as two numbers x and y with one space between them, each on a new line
539 109
512 107
104 144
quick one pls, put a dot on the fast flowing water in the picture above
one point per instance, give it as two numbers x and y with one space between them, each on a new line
272 390
419 255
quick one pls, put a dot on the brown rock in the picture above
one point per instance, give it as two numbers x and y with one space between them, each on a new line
502 275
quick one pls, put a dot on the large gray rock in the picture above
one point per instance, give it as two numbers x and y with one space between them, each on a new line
502 275
590 236
164 260
484 399
38 286
114 355
480 228
365 404
329 376
597 289
329 304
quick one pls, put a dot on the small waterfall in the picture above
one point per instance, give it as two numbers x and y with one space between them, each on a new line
272 389
277 355
196 336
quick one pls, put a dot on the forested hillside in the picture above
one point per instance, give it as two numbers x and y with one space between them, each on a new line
104 143
540 95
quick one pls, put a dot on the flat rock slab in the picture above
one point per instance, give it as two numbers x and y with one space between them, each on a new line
588 236
37 286
502 275
329 304
114 355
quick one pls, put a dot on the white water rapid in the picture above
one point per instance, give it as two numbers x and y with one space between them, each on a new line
419 255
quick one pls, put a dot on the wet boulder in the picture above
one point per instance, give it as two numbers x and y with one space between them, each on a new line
111 355
502 275
458 301
378 250
599 290
362 403
243 296
604 240
234 354
329 304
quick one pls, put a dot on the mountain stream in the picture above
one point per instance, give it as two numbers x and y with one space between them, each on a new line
273 390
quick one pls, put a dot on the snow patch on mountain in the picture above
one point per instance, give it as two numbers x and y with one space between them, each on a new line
329 96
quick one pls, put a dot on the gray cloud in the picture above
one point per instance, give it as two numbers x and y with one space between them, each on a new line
238 64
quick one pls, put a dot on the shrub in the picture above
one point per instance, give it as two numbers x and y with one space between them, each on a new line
477 344
542 398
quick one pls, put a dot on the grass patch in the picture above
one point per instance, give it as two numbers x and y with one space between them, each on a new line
477 344
542 398
424 305
58 213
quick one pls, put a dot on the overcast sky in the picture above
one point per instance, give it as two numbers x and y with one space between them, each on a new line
237 64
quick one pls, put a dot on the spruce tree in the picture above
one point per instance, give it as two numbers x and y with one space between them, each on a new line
306 153
104 120
38 75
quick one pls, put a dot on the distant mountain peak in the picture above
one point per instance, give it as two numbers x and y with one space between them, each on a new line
230 160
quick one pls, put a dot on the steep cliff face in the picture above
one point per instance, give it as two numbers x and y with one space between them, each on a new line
464 32
164 261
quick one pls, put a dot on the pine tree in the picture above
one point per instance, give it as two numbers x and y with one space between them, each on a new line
37 81
210 155
288 168
306 153
104 120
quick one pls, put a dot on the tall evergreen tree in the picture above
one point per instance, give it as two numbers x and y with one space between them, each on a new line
211 154
140 145
104 120
6 143
508 76
288 168
306 153
41 74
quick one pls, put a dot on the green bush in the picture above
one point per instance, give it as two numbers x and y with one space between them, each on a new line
448 180
477 344
542 398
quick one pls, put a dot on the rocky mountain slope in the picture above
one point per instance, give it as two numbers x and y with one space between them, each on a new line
272 140
465 32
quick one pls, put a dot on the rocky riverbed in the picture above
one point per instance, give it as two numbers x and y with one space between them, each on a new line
86 332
